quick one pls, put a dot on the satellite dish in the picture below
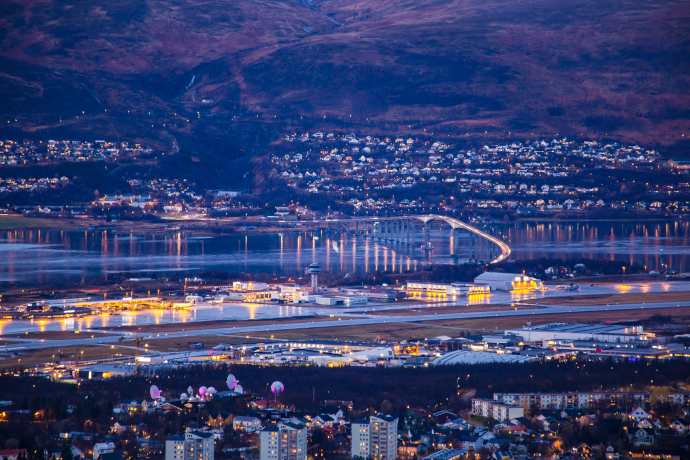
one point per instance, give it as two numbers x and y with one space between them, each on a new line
202 391
277 388
231 381
184 396
239 389
211 391
155 392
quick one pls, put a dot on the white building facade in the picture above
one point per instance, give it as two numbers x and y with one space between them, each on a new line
101 448
198 445
496 410
375 437
285 441
194 445
586 400
174 448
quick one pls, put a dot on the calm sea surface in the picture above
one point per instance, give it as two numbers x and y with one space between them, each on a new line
54 255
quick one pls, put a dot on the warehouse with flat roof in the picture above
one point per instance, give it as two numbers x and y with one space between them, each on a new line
479 357
578 331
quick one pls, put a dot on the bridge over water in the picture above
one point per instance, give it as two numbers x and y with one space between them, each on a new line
482 247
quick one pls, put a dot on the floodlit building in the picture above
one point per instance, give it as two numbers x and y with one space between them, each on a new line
248 286
290 292
509 281
375 437
285 441
448 289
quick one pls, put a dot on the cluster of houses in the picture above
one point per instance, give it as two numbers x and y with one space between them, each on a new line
268 430
29 152
527 177
168 189
518 176
10 185
417 433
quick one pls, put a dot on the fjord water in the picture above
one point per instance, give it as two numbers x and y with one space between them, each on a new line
48 256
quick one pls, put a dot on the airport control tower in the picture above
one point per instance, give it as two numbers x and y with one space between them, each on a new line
314 271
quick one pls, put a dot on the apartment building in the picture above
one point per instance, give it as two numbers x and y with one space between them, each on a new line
585 400
194 445
174 448
198 445
285 441
375 437
496 410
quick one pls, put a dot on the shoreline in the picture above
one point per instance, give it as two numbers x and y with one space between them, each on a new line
159 227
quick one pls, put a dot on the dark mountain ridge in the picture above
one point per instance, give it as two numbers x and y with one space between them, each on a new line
229 77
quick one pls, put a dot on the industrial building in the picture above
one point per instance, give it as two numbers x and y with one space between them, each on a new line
509 281
479 357
380 295
375 437
290 292
249 286
347 301
577 331
247 296
448 289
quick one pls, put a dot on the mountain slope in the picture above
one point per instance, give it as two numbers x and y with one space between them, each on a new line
229 76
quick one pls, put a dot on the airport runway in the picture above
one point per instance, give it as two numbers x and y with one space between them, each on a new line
255 311
340 320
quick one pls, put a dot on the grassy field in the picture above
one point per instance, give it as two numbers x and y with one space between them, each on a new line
426 329
610 299
180 343
177 327
479 419
10 222
430 310
386 331
55 335
500 323
40 357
